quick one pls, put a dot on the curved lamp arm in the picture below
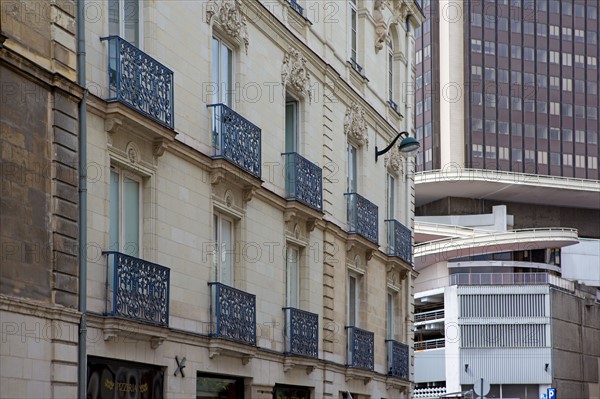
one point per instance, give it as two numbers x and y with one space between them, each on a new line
389 147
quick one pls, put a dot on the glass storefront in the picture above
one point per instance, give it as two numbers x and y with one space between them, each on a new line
219 387
115 379
290 392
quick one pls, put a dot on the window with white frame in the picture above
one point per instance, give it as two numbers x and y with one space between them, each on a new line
391 197
124 20
292 274
222 72
353 299
352 180
353 30
390 71
224 239
390 311
125 214
592 61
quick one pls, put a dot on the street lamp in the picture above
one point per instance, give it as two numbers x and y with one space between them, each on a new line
408 145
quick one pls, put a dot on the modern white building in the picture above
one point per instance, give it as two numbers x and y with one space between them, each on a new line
492 302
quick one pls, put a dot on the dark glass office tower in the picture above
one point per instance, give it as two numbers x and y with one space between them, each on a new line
528 91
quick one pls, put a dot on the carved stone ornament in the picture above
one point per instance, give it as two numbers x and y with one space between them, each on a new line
381 26
228 14
401 11
294 72
132 152
394 160
355 125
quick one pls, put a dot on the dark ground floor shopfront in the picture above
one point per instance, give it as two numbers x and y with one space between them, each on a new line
210 386
110 378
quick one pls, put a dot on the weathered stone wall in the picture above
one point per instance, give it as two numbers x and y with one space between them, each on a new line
575 345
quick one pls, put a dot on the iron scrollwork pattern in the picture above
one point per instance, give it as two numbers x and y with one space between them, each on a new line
400 241
398 357
363 217
303 333
304 181
233 313
363 348
236 139
140 289
296 7
139 81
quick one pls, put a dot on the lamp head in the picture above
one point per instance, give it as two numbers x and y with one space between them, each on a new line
409 145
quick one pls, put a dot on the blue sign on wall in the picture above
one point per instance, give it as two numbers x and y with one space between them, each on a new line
552 393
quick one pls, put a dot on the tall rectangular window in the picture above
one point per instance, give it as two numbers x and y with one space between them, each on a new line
390 72
224 249
352 169
352 300
353 30
291 126
292 276
390 328
125 212
391 197
124 20
222 72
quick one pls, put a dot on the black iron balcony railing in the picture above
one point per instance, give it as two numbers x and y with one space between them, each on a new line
399 240
397 357
356 66
303 181
139 81
301 333
296 7
232 313
136 289
360 348
362 217
236 139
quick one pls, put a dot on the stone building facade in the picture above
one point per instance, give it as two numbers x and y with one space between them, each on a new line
242 237
39 199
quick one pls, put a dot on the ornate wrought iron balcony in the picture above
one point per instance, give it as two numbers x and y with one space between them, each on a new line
236 139
361 348
137 289
301 333
399 240
398 359
296 7
232 313
362 217
139 81
303 181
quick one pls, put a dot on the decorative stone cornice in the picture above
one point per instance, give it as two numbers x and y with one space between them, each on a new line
228 14
355 124
401 9
295 73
